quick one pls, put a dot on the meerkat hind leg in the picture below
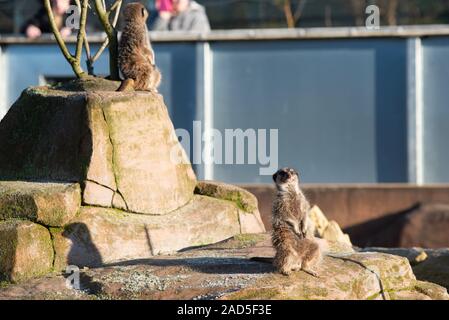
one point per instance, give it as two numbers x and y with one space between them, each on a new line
308 266
286 265
126 85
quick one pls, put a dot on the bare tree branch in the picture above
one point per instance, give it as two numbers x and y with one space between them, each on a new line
81 32
290 17
391 12
111 33
358 10
117 5
68 56
289 14
299 10
86 42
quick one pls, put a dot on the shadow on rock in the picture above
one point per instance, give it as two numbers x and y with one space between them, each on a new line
212 265
83 252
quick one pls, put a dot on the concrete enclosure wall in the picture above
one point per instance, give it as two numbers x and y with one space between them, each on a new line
368 212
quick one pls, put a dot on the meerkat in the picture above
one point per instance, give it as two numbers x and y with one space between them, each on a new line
136 57
295 248
290 202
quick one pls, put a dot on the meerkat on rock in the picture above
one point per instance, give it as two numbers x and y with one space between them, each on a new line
136 56
295 248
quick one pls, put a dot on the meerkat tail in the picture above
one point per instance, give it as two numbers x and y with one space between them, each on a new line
126 85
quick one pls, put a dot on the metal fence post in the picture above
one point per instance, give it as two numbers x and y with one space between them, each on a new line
415 110
205 104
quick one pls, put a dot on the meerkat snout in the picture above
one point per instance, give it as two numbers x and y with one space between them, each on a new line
286 177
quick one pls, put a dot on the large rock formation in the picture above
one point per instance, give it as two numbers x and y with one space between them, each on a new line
120 147
102 175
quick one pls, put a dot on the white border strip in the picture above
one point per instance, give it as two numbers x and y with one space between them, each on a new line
4 76
415 110
208 105
419 112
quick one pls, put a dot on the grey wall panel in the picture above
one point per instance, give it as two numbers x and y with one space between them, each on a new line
436 110
28 65
177 62
339 106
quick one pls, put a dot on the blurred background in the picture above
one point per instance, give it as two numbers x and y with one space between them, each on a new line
237 14
363 114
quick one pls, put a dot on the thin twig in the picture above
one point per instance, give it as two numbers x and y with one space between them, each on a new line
117 6
299 9
56 32
81 32
86 42
112 37
68 56
288 14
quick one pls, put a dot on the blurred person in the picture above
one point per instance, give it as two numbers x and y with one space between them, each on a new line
181 15
40 23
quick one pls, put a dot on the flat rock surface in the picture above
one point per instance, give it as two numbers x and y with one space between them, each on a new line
226 271
102 235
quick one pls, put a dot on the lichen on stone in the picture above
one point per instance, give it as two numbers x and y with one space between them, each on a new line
242 198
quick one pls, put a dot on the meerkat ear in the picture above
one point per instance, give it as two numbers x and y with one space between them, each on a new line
143 12
275 176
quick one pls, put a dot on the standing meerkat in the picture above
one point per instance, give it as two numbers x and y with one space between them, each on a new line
295 249
290 202
136 57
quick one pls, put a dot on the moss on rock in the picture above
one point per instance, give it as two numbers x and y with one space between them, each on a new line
244 200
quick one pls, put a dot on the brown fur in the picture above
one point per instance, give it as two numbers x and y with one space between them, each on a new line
136 57
290 204
295 249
